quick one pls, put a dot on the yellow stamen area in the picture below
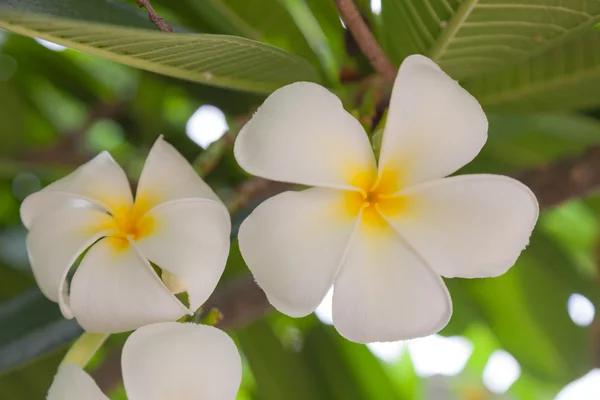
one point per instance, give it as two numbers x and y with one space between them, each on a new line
129 223
376 198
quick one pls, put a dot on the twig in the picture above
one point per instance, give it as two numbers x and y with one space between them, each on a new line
210 158
365 39
69 150
154 17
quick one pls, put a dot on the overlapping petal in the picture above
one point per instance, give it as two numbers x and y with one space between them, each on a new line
469 226
72 383
302 134
181 361
101 181
294 244
168 176
55 241
433 127
115 290
386 292
191 240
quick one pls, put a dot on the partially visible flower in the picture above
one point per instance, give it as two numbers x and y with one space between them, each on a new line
380 233
175 222
164 361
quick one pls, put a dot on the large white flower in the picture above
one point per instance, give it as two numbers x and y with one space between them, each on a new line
165 361
383 234
176 222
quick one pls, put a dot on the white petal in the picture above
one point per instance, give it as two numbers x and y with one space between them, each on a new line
302 134
54 242
181 361
191 241
434 126
294 244
468 226
100 181
385 292
72 383
115 290
168 176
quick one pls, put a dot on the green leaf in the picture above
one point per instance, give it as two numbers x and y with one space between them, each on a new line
211 59
280 372
105 11
563 78
348 370
469 37
526 309
31 325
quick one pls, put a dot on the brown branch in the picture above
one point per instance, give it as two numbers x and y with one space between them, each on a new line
567 179
154 17
365 39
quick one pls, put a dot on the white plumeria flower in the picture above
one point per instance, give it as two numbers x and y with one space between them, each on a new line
165 361
176 222
383 234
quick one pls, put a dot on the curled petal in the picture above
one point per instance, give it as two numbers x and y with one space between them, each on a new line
294 244
385 292
72 383
168 176
100 181
302 134
55 241
469 226
115 290
191 241
181 361
434 126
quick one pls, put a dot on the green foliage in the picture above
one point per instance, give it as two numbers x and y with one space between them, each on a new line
201 58
533 65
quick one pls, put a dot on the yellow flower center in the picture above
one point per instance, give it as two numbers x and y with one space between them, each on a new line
377 197
130 223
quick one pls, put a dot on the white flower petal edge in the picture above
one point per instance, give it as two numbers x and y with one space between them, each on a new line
168 176
386 292
294 244
191 241
100 181
469 226
55 241
297 135
72 383
116 290
181 361
434 126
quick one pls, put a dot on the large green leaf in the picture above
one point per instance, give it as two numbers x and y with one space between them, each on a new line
472 36
565 77
105 11
211 59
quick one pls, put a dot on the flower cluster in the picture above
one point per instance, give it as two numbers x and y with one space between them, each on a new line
382 232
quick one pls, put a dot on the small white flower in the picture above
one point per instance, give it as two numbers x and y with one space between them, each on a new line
380 234
176 222
165 361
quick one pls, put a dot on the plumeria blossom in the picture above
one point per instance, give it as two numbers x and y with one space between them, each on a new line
176 222
381 233
164 361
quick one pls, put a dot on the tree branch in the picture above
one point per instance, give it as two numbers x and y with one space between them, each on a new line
567 179
154 17
365 39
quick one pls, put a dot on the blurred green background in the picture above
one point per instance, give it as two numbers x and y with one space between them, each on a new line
534 65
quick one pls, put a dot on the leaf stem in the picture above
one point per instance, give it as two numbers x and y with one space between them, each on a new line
84 348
